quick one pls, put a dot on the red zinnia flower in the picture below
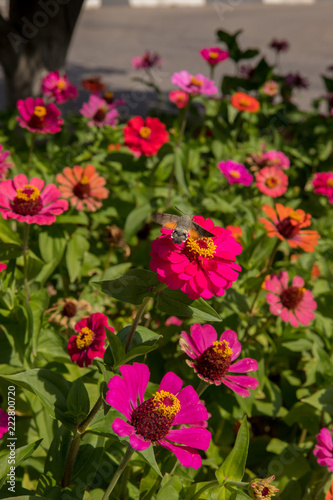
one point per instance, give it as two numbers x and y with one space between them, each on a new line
83 186
145 136
200 268
88 343
287 224
272 181
244 102
93 84
39 117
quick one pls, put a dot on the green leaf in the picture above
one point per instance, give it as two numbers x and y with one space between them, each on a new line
27 497
233 467
171 488
136 219
144 341
21 454
39 302
78 400
52 244
323 400
56 458
115 353
7 235
179 170
176 303
78 219
9 251
76 249
149 456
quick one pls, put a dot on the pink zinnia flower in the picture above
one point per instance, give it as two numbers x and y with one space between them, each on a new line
58 87
214 55
294 304
28 202
88 343
272 181
83 187
323 184
99 112
235 172
146 61
200 268
173 320
2 266
3 423
4 164
38 117
271 88
179 98
277 159
212 358
151 421
194 84
324 449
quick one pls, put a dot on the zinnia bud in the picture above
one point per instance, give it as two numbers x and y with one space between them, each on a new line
260 489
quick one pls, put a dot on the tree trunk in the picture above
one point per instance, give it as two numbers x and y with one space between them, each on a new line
34 40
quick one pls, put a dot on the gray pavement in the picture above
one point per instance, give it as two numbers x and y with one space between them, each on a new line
106 39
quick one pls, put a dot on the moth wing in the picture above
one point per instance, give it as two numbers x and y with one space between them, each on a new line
166 220
193 233
202 233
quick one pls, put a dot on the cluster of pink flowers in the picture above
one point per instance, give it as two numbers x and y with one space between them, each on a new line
58 87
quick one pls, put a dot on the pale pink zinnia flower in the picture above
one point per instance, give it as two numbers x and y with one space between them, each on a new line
3 422
194 84
271 88
211 358
276 159
99 112
152 421
323 184
39 117
27 201
272 181
294 304
235 173
324 449
214 55
58 87
4 164
179 98
200 267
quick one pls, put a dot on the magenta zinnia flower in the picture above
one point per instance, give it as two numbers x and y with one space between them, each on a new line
4 164
211 358
294 304
323 184
38 117
235 172
200 268
324 449
28 202
98 112
88 343
214 55
272 181
3 423
58 87
2 266
151 421
194 84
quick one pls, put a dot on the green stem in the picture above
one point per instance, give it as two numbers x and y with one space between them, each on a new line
118 473
211 74
136 321
25 259
31 148
204 488
93 412
202 387
70 460
322 485
238 484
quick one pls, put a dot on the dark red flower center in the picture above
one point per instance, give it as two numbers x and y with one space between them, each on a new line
82 188
84 338
108 97
38 118
99 115
265 491
213 364
27 200
288 227
292 296
69 309
196 249
272 181
153 418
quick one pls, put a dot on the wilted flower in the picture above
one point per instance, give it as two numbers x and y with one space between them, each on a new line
146 61
293 304
3 423
151 421
98 112
272 181
194 84
261 489
211 358
93 84
4 164
279 45
245 102
67 312
287 224
145 137
214 55
57 86
295 80
115 238
83 187
179 98
28 202
323 184
271 88
235 173
324 449
247 71
38 117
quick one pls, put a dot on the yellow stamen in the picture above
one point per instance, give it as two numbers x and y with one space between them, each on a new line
108 95
203 247
244 102
213 55
40 111
84 338
145 132
295 216
166 403
330 182
33 195
301 289
235 174
84 180
272 182
61 84
222 348
196 81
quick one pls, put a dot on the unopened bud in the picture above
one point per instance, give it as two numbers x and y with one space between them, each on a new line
260 489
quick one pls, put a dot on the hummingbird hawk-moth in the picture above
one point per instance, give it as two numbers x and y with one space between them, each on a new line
183 227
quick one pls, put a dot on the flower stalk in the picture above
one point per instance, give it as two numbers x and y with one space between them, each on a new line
118 473
26 231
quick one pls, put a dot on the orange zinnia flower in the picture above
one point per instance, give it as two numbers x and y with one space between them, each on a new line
329 494
83 186
244 102
287 224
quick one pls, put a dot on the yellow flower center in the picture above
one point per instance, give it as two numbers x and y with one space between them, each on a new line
196 81
235 174
61 84
213 55
244 102
40 111
295 216
145 132
330 182
108 95
28 193
84 338
222 348
202 247
84 180
272 182
166 404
